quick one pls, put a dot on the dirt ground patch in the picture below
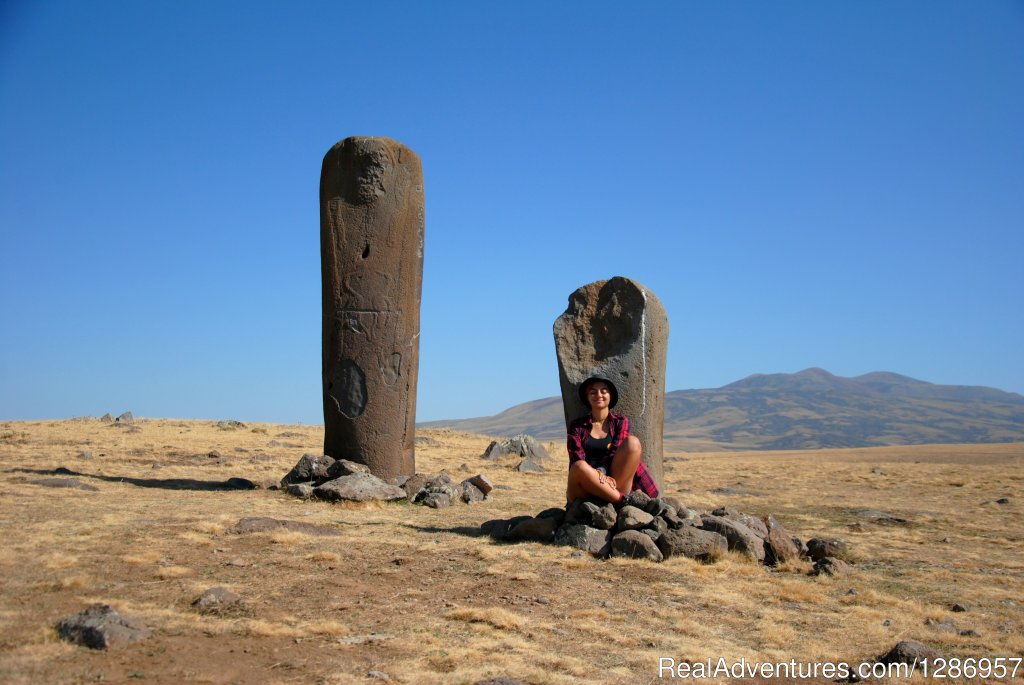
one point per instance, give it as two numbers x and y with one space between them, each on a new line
419 595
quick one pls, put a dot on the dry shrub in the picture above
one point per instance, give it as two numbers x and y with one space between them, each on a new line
492 616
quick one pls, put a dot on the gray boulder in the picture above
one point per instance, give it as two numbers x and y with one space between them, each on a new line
344 467
830 566
100 627
482 482
216 600
359 487
688 541
469 493
739 537
819 548
631 518
437 500
310 468
779 547
522 445
909 652
636 545
534 530
530 465
585 538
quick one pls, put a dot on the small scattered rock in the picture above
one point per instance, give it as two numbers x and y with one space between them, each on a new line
303 490
1003 500
85 454
819 548
213 454
909 652
958 608
216 600
529 466
100 627
230 424
378 675
482 482
830 566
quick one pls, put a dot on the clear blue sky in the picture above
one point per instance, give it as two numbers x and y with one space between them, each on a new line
801 183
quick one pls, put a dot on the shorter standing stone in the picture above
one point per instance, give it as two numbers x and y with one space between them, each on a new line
636 545
107 418
100 627
529 465
125 417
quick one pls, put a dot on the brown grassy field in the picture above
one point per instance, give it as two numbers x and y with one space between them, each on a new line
417 594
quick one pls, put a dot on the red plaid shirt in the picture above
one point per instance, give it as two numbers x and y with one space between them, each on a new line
580 428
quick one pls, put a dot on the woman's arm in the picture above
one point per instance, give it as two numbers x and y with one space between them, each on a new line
574 441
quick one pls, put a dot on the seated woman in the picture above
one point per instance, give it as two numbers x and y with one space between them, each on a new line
604 459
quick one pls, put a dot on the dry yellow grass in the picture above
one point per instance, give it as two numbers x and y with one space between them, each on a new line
418 594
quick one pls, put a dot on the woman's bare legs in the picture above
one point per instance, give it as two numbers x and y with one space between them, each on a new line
627 459
585 480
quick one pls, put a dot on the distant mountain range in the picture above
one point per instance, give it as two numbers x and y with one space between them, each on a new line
806 410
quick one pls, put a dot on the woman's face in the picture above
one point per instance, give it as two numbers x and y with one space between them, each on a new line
598 394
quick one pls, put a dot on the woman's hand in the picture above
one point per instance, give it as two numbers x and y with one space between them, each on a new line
606 479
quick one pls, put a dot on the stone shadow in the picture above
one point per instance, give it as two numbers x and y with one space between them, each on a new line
162 483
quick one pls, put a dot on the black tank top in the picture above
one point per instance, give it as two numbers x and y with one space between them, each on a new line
597 450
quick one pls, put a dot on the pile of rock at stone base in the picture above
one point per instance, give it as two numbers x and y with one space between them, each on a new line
326 478
662 527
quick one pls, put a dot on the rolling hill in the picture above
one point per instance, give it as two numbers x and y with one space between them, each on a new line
806 410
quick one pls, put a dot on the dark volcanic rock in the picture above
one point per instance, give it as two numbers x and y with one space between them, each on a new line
498 529
585 538
345 467
631 518
359 487
311 468
819 548
909 652
371 250
702 545
635 544
525 446
216 600
739 537
830 566
779 547
100 627
534 529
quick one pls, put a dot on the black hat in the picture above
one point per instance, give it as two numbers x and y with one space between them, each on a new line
582 390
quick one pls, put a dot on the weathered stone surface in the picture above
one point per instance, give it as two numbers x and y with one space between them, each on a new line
229 424
673 502
100 627
529 465
605 517
739 537
631 518
830 566
554 513
303 490
635 544
263 524
585 538
311 468
498 529
702 545
534 529
469 493
345 467
437 500
482 482
125 417
909 652
72 483
216 600
819 548
107 418
581 510
414 485
371 248
359 487
778 547
617 329
521 445
636 498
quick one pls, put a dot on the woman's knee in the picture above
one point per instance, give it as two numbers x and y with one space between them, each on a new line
577 468
633 444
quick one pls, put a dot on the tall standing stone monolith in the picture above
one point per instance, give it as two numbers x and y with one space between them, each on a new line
371 251
617 329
